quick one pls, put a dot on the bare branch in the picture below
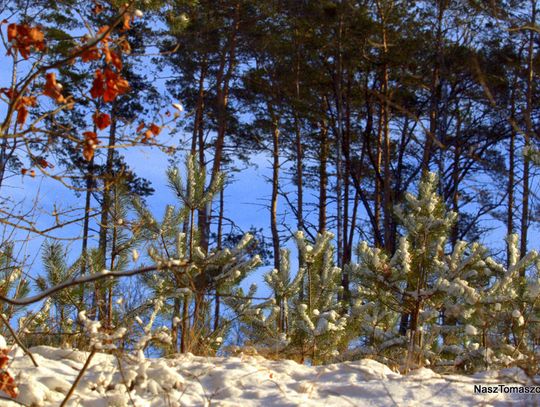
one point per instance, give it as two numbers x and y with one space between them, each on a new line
79 377
80 280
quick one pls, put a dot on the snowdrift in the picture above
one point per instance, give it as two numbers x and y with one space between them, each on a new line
188 380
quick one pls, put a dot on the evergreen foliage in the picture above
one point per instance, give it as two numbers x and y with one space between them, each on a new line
431 304
304 319
188 275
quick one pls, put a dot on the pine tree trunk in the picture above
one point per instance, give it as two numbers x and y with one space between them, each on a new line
511 169
275 190
108 176
114 239
347 174
455 182
273 207
184 345
224 76
339 146
435 88
323 176
528 133
174 327
219 246
198 138
389 238
299 159
378 176
86 225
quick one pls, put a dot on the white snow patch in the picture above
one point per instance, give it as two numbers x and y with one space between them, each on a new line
246 381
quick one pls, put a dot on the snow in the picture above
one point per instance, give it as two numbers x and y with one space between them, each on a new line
471 330
188 380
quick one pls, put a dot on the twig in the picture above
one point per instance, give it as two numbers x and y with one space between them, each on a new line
121 370
78 379
16 338
84 279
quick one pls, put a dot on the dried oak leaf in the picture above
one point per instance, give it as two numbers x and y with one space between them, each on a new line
112 57
98 86
53 89
108 84
147 136
115 85
90 54
22 108
44 163
126 19
155 129
101 120
25 38
8 385
89 145
4 358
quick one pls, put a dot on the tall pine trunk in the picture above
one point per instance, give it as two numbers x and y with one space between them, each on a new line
99 294
528 133
223 79
323 175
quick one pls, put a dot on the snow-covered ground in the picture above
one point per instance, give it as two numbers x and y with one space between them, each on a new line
189 380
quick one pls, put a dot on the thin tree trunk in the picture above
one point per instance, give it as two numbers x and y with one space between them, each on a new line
112 263
185 325
435 89
346 180
389 238
356 180
86 224
339 146
198 138
273 206
219 245
528 133
4 128
455 181
378 163
223 82
299 156
105 209
511 171
5 154
275 191
323 176
174 326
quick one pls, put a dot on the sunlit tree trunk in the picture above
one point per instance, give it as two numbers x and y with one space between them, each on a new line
528 133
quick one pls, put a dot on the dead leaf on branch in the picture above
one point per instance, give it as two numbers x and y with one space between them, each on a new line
53 89
101 120
108 84
89 145
7 382
24 39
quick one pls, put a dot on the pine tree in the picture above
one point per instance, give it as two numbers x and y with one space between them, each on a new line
64 304
12 281
304 319
188 274
450 303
